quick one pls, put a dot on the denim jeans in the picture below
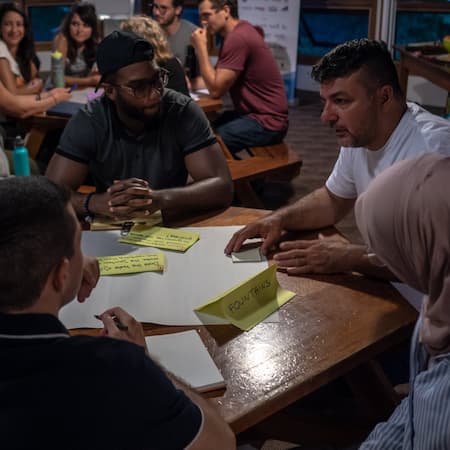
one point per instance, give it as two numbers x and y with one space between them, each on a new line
241 132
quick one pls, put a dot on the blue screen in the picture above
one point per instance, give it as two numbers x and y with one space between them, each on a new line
46 20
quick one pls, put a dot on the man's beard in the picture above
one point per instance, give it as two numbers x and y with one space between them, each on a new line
136 113
169 21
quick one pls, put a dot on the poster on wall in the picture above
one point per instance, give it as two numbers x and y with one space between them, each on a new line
279 20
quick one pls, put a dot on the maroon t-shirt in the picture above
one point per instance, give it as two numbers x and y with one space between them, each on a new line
259 90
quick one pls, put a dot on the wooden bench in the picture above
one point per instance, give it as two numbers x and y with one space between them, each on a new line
272 162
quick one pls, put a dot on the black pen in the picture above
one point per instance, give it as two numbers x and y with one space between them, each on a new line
118 323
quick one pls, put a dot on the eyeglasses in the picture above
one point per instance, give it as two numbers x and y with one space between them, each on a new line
143 88
162 9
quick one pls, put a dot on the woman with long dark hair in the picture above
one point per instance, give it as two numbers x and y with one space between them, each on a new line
77 41
19 63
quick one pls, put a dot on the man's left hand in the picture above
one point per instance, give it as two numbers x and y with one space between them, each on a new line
91 274
323 255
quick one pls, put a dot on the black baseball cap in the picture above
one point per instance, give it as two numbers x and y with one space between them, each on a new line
120 49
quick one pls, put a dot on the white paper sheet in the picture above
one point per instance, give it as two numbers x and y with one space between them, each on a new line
185 355
189 280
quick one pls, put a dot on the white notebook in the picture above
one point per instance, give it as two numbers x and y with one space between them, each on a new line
185 355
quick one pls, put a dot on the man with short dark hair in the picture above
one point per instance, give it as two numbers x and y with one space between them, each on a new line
247 69
375 127
168 14
140 142
72 392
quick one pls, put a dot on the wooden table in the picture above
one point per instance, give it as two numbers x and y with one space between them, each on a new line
413 64
39 125
334 324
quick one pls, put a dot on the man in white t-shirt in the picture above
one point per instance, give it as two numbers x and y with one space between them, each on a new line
375 127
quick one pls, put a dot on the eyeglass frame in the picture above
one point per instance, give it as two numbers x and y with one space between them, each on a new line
162 9
161 80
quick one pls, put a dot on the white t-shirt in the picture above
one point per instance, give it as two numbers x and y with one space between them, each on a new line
5 53
417 132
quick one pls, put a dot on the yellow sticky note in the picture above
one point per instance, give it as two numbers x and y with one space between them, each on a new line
104 223
122 264
167 238
251 301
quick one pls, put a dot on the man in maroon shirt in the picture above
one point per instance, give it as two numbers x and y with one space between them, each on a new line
247 69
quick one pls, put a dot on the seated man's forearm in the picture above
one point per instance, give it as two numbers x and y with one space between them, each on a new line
319 209
214 192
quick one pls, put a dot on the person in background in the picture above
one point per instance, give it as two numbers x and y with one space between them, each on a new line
145 147
152 32
19 64
49 377
247 70
22 106
168 14
77 41
404 217
375 127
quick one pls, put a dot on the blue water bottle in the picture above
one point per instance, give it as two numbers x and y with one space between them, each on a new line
20 158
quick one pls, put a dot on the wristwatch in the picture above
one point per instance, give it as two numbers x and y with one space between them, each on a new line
374 260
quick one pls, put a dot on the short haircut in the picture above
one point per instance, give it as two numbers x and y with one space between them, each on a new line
36 233
371 56
176 3
219 4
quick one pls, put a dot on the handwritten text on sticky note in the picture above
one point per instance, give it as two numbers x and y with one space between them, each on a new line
122 264
251 301
167 238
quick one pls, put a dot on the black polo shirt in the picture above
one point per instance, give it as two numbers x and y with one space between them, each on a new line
95 136
83 392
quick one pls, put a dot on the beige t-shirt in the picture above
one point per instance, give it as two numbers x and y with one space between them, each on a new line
5 53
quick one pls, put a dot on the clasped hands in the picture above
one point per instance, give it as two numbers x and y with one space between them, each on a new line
323 255
126 199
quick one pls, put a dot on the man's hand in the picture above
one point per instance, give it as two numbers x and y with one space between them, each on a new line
318 256
35 85
58 94
199 38
125 199
91 274
269 228
119 324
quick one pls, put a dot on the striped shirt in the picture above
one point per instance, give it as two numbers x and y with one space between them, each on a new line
422 420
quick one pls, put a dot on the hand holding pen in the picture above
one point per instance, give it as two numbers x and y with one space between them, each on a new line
119 324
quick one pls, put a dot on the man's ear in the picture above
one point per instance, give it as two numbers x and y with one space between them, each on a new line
110 91
60 275
385 94
178 10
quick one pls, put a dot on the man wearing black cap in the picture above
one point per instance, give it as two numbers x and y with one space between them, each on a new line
139 142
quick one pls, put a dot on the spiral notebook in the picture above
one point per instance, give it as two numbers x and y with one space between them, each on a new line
185 355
